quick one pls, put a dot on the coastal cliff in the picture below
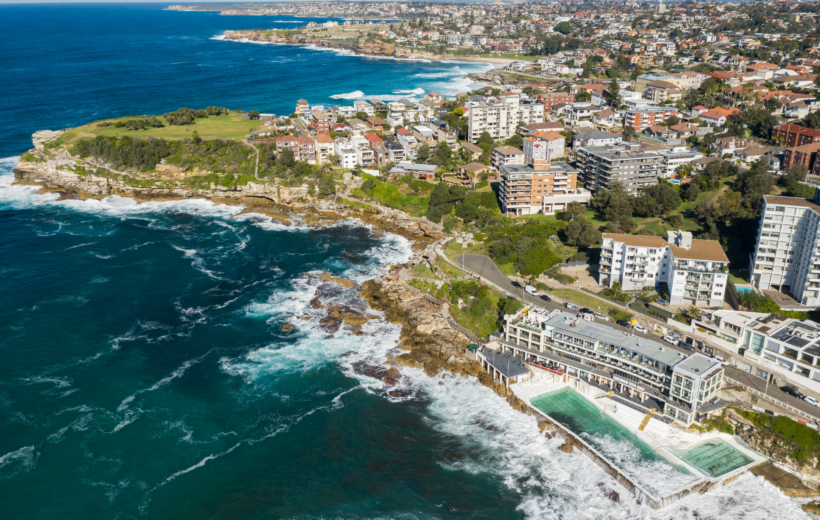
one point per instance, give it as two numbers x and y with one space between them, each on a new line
362 45
55 170
430 341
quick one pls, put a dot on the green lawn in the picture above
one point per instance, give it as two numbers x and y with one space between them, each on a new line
709 195
213 127
585 300
428 287
450 269
353 203
422 271
482 325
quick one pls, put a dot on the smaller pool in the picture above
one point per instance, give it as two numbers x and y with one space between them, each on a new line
674 181
743 289
714 458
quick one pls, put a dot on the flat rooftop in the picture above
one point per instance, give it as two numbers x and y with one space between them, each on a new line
595 332
697 365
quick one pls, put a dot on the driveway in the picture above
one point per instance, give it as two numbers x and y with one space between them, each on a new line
486 269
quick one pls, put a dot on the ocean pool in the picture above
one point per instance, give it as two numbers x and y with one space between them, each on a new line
715 457
626 450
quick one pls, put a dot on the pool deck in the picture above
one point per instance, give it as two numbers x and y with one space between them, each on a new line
663 440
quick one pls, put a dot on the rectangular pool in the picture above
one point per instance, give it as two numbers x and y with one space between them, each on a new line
614 441
714 458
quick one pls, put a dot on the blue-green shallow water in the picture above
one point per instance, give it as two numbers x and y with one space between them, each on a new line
613 440
715 457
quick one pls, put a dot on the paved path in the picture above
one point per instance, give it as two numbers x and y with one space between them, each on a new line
773 391
256 151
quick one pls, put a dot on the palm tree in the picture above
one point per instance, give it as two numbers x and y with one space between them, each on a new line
334 158
693 313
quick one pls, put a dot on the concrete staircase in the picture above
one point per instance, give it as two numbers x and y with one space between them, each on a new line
646 419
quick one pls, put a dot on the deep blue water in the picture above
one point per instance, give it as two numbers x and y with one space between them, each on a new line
144 372
67 64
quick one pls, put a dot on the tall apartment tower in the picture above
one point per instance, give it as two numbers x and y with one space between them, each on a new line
787 251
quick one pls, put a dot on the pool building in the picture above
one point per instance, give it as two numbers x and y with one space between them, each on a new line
640 373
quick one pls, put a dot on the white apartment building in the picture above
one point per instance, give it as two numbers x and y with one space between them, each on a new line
501 117
543 146
787 252
695 271
346 152
408 141
507 155
675 158
364 152
778 349
364 106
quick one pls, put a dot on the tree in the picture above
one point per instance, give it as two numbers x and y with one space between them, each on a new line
253 115
286 158
613 204
614 93
583 96
801 190
423 153
665 195
574 211
563 28
485 138
195 137
628 133
672 121
515 141
361 116
444 152
795 174
581 233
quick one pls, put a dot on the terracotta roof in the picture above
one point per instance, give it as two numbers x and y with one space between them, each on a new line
548 136
324 138
508 150
708 250
473 148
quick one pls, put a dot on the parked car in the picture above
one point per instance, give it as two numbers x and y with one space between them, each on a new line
587 311
811 400
546 298
686 346
531 290
516 285
601 316
792 391
670 339
638 328
623 323
572 306
662 302
722 361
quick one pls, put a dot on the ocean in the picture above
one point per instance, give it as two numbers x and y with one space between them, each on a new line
145 372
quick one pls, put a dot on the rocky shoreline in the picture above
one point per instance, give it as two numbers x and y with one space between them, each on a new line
361 46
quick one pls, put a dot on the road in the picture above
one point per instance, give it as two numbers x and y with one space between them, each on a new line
486 268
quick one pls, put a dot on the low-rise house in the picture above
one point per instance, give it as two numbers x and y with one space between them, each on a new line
596 138
376 123
717 116
475 150
324 147
660 132
753 153
422 171
676 157
729 145
472 172
507 155
346 152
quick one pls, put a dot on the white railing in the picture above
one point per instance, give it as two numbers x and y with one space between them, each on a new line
774 400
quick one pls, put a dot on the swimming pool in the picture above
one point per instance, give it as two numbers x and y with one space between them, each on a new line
626 450
743 289
714 458
674 181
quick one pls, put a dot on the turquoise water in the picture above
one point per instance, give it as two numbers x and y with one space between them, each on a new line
744 290
715 458
674 181
632 455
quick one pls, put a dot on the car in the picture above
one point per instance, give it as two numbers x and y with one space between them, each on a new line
587 311
601 316
811 400
722 361
638 328
546 298
531 290
686 346
516 285
669 339
662 302
571 306
623 323
792 391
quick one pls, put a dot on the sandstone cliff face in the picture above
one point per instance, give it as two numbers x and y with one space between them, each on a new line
432 344
770 448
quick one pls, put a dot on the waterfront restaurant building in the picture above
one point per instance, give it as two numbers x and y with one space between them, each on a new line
643 374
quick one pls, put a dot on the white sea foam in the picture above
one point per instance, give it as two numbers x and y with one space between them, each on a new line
179 372
356 94
415 91
19 461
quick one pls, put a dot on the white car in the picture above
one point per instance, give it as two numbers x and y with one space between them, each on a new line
531 290
601 316
670 339
811 400
638 328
